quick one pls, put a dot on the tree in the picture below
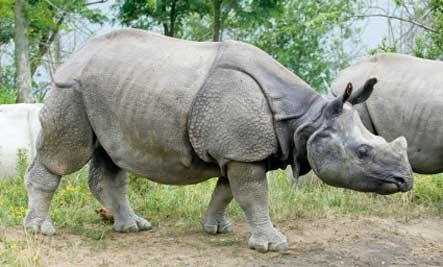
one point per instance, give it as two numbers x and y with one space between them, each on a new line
419 29
40 22
431 45
216 23
230 17
23 68
301 37
48 18
149 14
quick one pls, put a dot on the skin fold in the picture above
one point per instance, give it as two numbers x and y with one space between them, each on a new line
181 112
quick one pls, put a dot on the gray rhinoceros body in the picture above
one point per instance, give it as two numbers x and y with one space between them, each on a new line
180 112
146 90
407 101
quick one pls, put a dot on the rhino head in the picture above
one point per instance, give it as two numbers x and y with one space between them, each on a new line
343 153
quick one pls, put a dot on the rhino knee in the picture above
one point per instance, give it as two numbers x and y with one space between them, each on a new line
40 178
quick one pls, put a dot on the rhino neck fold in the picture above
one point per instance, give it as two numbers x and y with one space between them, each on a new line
293 135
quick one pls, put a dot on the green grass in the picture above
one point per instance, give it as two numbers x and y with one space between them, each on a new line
73 206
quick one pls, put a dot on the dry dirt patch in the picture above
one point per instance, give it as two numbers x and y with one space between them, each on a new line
340 241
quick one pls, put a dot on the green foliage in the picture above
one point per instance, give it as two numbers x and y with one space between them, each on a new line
300 38
7 96
8 93
46 19
6 21
384 47
238 19
168 14
433 47
428 44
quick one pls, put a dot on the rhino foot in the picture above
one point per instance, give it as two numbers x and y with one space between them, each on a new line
216 224
268 239
218 228
39 225
134 224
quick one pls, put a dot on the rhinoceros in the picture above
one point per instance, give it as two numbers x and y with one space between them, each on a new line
19 128
181 112
407 101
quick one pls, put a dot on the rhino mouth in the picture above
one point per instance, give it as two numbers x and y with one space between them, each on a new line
399 182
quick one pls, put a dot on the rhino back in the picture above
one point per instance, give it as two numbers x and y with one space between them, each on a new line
407 101
137 89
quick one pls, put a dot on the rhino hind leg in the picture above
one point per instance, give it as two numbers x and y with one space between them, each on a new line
250 190
64 146
215 220
41 185
109 184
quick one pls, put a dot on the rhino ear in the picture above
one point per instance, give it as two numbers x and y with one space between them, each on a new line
335 107
364 92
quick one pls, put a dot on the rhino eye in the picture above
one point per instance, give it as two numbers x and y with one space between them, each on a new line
363 151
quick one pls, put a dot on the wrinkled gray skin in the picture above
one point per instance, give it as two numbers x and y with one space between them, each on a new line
407 101
180 112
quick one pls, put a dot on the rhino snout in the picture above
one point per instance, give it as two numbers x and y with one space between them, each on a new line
403 179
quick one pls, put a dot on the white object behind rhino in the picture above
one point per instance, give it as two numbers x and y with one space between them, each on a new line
407 101
181 112
19 128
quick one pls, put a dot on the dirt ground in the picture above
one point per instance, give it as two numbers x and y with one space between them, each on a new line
341 241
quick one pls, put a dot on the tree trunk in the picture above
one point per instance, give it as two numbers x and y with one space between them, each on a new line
57 51
162 7
23 68
216 24
172 17
44 44
1 68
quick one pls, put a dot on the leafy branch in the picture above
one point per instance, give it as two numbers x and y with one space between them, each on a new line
411 21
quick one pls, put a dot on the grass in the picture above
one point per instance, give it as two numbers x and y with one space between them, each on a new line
73 206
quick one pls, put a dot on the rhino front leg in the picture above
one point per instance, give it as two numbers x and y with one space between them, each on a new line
215 220
109 184
250 188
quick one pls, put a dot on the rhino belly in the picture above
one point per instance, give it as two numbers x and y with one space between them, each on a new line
149 139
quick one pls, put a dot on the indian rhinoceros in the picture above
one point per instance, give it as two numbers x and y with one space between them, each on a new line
19 128
181 112
407 101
